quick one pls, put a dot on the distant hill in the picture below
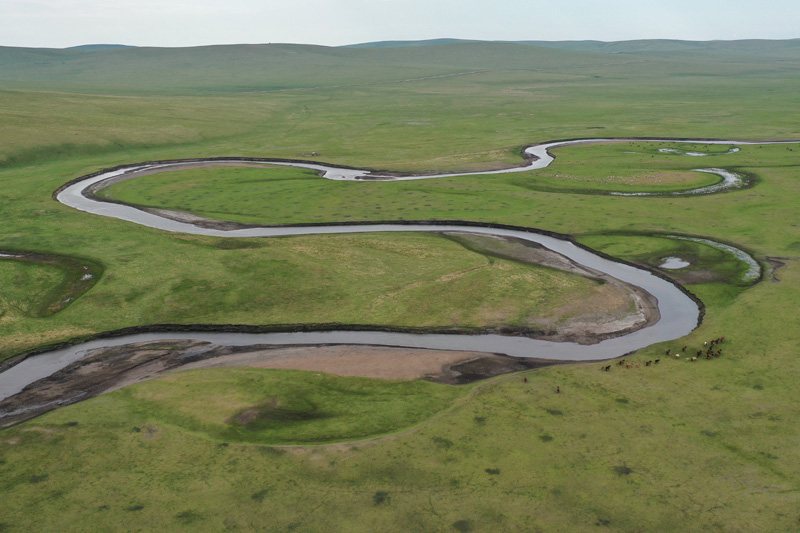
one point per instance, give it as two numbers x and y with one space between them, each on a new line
406 44
787 48
263 67
119 69
98 47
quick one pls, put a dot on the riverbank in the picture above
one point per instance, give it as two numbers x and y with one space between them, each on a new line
107 369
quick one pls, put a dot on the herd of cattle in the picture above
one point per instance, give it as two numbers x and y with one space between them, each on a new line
711 349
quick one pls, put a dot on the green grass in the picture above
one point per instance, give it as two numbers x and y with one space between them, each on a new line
708 264
36 286
680 446
412 280
261 68
563 461
526 95
256 406
263 196
286 195
633 167
24 288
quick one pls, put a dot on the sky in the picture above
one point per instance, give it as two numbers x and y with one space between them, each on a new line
177 23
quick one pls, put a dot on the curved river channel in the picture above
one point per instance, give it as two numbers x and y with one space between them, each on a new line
679 313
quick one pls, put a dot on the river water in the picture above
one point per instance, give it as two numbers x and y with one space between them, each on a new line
679 313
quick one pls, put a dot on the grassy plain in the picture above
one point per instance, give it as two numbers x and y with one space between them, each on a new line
680 446
300 407
36 286
413 280
24 287
285 195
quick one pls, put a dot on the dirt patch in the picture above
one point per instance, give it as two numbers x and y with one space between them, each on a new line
247 416
698 276
381 362
776 263
150 432
496 365
109 369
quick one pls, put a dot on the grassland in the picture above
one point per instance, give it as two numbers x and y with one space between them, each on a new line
302 407
413 280
37 286
680 446
25 286
286 195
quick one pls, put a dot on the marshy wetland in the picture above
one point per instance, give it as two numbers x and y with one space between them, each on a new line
307 445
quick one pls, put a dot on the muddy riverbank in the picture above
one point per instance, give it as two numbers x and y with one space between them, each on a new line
107 369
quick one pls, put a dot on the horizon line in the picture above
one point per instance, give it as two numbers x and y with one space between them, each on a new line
455 40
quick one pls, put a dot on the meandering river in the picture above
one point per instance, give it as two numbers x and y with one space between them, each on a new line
679 313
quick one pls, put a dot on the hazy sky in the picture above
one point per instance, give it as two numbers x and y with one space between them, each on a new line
62 23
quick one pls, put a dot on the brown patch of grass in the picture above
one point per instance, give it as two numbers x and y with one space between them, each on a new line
605 300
